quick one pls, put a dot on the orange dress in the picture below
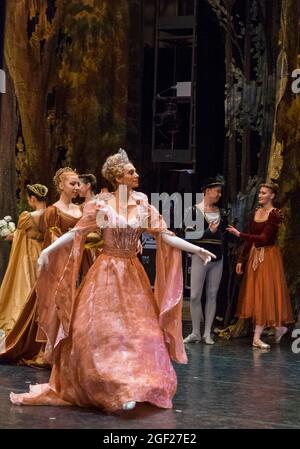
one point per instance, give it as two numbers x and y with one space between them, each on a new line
21 341
116 337
264 295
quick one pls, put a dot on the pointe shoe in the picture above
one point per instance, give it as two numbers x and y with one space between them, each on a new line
129 405
192 338
260 345
208 340
280 334
14 399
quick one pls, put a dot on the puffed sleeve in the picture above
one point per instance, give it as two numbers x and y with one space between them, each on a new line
57 284
24 221
168 283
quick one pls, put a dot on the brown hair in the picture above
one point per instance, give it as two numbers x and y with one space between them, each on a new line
39 191
89 178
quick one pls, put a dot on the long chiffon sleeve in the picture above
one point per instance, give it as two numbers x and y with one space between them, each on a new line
60 275
168 287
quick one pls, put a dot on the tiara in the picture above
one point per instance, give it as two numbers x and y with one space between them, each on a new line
121 157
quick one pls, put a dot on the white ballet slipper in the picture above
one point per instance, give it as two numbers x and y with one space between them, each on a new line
129 405
260 345
208 340
192 338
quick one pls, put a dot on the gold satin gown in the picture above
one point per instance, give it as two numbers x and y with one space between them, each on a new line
20 275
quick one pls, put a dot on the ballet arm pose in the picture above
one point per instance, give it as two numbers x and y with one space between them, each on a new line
170 239
183 245
262 238
43 259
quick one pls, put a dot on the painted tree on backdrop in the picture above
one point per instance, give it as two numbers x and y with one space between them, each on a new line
67 61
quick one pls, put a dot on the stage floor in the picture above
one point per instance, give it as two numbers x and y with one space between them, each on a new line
228 385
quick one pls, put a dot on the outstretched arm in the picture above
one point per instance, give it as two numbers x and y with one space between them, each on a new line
156 224
181 244
268 232
60 242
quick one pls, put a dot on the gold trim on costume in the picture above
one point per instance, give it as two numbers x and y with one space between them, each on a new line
259 257
214 242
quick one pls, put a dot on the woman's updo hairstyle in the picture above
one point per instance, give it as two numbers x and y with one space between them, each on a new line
89 178
271 186
61 174
113 167
39 191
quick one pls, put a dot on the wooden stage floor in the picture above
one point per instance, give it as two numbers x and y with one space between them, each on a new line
228 385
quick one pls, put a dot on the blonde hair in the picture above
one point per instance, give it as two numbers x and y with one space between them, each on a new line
272 186
61 174
113 167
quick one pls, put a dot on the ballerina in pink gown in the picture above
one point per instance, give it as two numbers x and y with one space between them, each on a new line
114 340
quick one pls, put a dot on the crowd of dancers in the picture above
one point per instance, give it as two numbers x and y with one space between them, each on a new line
76 298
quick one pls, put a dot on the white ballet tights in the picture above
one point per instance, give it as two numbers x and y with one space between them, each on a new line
212 273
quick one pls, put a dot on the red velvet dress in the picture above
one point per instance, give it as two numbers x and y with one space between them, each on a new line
264 295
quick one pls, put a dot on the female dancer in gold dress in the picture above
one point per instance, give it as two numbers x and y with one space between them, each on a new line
27 245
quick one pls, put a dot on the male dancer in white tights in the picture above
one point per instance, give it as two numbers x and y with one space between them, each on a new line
212 240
